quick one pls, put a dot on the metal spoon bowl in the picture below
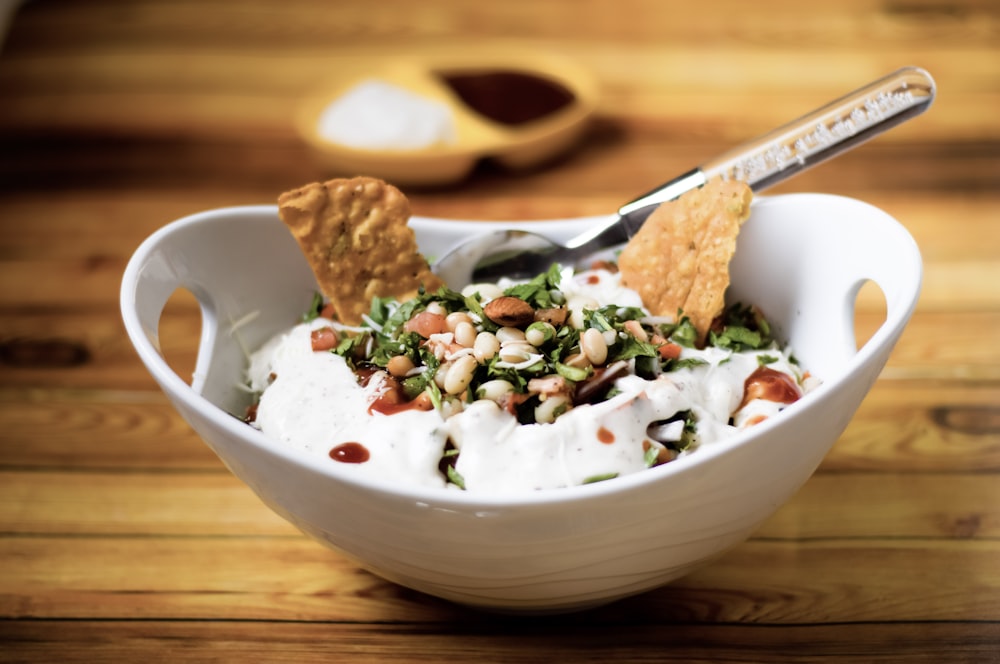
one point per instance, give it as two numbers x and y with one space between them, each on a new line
765 161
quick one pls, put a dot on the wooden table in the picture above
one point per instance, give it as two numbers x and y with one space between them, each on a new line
122 538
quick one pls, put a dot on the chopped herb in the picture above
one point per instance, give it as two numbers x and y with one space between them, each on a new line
600 478
575 374
688 363
689 436
541 291
737 338
435 393
627 347
455 477
312 313
651 455
684 332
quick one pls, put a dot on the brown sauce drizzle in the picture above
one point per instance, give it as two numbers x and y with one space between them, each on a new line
509 97
350 452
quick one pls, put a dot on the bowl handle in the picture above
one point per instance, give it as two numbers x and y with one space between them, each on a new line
209 254
829 247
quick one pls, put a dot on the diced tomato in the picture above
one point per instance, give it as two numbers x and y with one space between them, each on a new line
669 351
324 338
426 323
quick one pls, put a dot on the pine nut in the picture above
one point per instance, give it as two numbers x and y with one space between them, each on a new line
460 374
593 346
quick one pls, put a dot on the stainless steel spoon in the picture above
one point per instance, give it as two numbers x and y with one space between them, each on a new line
790 149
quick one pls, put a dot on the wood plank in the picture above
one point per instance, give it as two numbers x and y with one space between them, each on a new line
582 638
136 429
205 578
922 425
148 503
134 503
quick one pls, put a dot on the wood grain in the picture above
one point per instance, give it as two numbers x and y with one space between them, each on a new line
123 538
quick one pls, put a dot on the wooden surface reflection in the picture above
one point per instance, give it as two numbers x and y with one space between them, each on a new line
123 538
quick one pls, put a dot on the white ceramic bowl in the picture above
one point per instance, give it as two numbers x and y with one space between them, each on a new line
802 258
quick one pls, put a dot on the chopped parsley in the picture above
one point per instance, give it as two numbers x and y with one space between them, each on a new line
636 342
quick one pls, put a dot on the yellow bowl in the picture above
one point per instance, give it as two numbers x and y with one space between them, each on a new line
511 138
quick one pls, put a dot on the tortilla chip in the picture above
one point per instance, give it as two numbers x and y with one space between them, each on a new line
354 235
679 259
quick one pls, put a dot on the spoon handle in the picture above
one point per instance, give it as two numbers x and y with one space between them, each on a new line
811 139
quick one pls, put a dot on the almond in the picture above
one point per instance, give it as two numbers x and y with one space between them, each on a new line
509 311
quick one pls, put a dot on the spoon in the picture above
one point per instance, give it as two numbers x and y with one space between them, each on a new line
762 162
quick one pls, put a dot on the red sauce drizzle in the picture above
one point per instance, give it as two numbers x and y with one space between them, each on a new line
605 436
766 383
364 374
350 453
593 279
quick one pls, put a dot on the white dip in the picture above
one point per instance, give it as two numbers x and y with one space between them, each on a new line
313 400
374 115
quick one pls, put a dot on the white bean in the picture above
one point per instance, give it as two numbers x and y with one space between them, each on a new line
516 351
460 374
576 305
593 346
485 346
465 334
539 332
505 334
442 374
453 319
494 390
436 307
549 409
486 291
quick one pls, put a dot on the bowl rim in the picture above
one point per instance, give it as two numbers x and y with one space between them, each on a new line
444 497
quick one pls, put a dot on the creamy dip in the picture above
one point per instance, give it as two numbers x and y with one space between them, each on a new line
622 415
375 115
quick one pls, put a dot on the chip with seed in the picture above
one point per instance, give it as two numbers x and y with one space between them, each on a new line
354 235
679 259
